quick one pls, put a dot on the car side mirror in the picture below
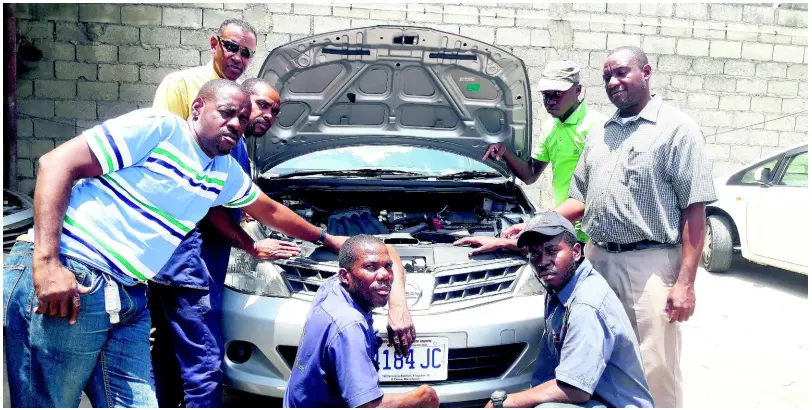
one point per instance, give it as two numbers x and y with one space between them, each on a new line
763 176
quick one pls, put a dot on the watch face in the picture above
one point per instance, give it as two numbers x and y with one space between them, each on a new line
498 395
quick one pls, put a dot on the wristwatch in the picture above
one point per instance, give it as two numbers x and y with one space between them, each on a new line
498 398
322 237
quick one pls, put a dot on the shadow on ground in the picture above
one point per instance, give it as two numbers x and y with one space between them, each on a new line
784 281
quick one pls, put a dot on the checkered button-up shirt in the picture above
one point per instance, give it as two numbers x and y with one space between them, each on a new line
635 179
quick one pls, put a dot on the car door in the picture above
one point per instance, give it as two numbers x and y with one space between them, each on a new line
778 213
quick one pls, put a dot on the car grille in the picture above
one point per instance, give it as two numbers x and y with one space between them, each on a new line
10 235
456 284
452 283
466 364
305 279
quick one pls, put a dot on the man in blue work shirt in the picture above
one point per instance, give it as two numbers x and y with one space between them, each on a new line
335 364
589 355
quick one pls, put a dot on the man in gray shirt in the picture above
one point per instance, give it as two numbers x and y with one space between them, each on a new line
640 190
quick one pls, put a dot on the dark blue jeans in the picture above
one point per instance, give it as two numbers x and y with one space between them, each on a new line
51 362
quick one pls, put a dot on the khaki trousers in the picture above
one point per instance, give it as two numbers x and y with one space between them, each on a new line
642 279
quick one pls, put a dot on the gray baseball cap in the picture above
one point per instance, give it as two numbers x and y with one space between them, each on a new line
544 226
559 76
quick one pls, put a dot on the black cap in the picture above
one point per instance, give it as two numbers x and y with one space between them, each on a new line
544 226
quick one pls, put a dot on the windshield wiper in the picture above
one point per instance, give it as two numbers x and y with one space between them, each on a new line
363 172
470 175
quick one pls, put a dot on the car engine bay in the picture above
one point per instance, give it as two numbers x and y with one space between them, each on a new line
406 218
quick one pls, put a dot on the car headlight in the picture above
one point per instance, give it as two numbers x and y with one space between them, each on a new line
246 275
528 284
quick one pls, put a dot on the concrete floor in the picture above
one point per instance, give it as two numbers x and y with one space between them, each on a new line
747 344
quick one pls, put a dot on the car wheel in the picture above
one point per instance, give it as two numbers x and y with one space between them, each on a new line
717 253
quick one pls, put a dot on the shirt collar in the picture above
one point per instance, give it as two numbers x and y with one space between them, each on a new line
649 112
576 117
584 270
342 291
212 72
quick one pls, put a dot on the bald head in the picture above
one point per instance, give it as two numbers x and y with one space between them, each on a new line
212 88
354 248
635 54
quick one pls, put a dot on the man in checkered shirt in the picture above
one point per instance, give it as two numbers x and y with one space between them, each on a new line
641 186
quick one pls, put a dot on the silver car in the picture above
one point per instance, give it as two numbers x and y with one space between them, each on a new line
382 131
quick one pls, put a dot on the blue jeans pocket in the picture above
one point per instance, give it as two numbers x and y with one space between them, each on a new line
17 266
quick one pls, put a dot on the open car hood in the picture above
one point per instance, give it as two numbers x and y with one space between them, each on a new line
396 85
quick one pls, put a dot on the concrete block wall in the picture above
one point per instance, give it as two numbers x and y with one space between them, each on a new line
739 69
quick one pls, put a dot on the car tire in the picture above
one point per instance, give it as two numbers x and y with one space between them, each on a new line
717 253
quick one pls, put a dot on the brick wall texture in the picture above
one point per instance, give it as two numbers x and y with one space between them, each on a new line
739 69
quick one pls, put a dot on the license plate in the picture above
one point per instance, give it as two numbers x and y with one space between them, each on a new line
427 360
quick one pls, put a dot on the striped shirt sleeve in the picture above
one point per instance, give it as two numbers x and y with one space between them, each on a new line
124 141
239 191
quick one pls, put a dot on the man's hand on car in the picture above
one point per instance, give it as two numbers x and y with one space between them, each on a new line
485 244
495 151
57 290
272 249
400 328
513 231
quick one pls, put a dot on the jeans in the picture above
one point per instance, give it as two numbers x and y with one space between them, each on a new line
51 362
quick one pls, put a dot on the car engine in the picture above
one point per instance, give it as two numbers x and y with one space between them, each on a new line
443 225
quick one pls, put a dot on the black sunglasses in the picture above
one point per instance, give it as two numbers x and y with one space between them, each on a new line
232 47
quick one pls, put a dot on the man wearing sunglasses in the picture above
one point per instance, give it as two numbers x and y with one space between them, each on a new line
564 132
231 48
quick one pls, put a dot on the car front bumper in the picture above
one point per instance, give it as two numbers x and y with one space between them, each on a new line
262 324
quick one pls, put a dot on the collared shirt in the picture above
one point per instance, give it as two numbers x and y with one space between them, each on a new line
596 349
156 184
562 148
178 89
635 179
334 365
202 257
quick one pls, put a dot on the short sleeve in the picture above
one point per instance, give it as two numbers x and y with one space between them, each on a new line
169 97
124 141
587 347
238 191
355 373
688 167
579 179
542 152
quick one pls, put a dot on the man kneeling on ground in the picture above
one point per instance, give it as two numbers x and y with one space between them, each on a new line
589 355
334 364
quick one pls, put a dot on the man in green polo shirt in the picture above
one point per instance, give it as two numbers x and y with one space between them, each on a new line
564 132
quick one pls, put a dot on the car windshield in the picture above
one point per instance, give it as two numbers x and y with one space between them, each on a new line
395 158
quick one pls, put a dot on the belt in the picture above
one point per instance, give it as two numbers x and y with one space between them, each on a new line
614 247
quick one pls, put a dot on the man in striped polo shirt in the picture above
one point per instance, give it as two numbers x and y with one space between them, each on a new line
110 207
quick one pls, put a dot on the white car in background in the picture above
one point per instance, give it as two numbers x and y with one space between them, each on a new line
763 212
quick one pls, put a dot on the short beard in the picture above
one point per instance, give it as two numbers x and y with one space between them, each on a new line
222 151
572 267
